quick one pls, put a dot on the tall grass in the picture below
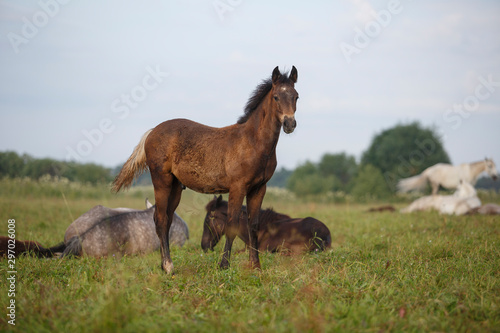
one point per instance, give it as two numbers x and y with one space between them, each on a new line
386 272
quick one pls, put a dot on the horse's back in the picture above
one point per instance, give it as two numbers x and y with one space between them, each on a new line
193 152
297 235
90 218
448 175
424 203
129 233
438 168
179 133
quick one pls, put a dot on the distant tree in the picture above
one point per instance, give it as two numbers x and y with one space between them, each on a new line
11 164
341 166
36 168
280 178
91 173
404 151
369 183
306 180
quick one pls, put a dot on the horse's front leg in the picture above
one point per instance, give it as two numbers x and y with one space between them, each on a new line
435 188
234 210
254 203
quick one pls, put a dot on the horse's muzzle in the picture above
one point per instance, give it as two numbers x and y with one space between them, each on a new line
289 124
494 177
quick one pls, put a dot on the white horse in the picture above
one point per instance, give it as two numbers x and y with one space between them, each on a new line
448 176
462 201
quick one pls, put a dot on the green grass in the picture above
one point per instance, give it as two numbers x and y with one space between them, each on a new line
386 272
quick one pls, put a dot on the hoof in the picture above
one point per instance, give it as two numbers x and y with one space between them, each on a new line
256 266
252 267
224 265
168 267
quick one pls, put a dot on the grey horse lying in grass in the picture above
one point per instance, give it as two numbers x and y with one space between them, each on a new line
106 231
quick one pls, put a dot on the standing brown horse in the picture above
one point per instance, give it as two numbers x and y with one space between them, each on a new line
238 159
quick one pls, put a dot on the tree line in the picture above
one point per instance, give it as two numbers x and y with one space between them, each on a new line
398 152
14 165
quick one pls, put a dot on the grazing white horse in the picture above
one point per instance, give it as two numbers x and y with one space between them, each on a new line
448 176
463 200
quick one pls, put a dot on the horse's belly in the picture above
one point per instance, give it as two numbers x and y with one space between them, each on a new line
202 182
209 188
450 182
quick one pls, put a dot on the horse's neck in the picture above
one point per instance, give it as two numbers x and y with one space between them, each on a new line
475 169
264 126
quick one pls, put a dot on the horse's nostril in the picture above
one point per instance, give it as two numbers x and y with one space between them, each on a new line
289 124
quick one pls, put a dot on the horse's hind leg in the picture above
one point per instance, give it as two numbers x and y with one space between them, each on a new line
173 203
234 210
167 193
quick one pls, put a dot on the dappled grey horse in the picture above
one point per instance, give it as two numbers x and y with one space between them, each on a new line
106 231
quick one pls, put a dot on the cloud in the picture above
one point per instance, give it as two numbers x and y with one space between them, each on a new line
428 58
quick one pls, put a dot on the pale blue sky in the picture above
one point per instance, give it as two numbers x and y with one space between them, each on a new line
84 80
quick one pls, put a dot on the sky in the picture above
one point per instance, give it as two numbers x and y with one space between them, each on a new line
83 80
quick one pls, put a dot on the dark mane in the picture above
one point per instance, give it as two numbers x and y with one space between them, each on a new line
259 94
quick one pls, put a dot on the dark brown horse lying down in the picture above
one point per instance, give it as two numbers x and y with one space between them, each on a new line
275 232
22 247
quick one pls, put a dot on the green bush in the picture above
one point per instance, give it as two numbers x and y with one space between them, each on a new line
370 184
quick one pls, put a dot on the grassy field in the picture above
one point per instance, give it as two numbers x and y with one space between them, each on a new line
386 272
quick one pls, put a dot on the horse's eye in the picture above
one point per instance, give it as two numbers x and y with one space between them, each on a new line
276 98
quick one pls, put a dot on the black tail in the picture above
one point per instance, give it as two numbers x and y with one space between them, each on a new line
73 248
43 252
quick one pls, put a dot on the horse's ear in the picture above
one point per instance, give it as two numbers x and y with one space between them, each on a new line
219 199
276 75
293 75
